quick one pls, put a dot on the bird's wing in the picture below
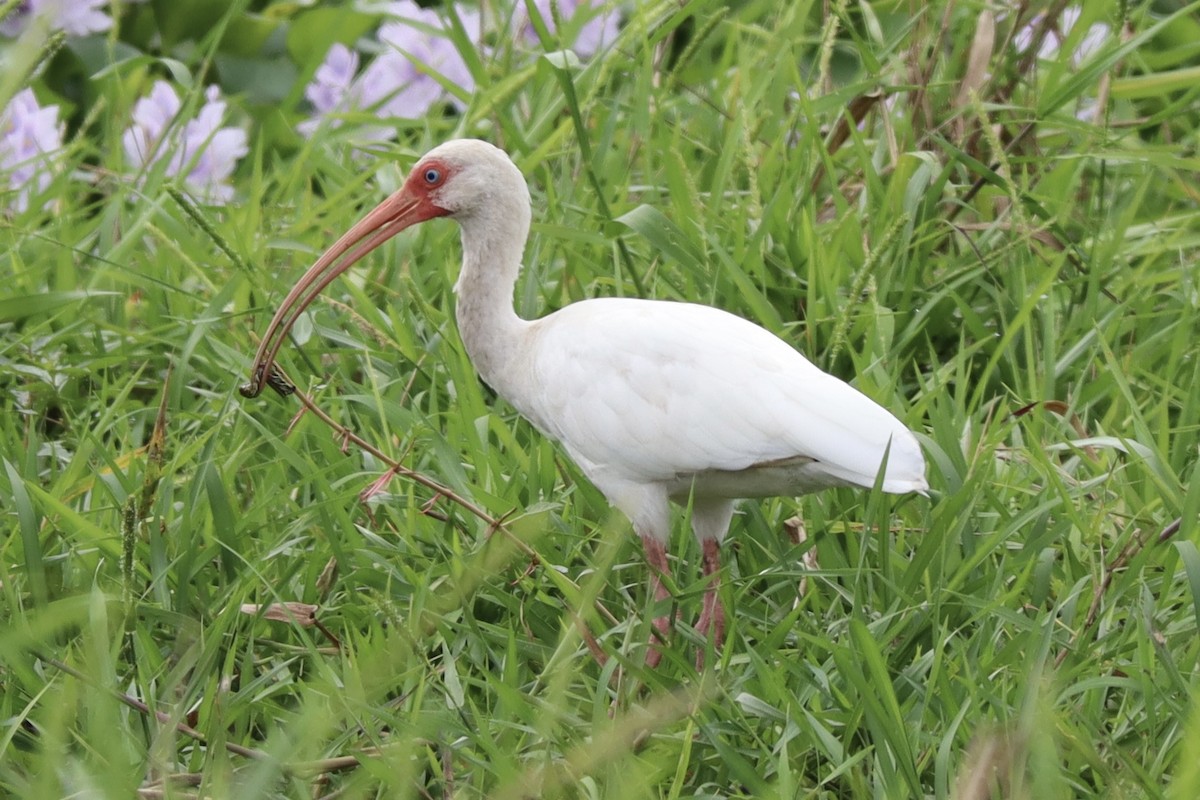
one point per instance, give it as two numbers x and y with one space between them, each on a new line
657 390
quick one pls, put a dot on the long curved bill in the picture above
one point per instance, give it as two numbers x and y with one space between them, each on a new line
402 210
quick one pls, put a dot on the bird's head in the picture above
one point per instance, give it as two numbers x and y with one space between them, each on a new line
461 179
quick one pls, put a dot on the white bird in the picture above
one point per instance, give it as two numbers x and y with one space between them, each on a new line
656 401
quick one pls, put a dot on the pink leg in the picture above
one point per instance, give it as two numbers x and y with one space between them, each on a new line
656 554
712 615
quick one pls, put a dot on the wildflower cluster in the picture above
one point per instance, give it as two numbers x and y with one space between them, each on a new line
414 63
418 59
404 80
1057 34
199 151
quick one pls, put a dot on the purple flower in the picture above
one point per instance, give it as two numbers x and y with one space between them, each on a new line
76 17
200 151
588 25
30 140
330 85
1057 36
398 82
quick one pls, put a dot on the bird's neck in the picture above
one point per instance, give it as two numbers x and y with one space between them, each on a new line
490 328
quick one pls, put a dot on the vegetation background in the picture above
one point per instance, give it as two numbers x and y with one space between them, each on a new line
985 215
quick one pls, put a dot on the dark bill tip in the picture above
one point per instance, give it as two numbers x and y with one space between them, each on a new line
276 380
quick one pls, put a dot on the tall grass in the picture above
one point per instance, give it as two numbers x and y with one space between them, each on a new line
1012 274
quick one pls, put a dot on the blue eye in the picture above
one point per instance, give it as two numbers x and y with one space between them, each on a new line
432 175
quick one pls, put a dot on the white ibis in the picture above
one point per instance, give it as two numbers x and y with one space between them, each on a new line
655 401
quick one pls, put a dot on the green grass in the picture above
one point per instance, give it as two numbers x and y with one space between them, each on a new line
1023 632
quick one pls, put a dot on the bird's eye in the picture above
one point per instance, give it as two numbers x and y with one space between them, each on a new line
433 176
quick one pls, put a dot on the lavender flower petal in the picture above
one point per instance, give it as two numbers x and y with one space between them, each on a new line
600 24
331 83
200 151
75 17
30 141
399 81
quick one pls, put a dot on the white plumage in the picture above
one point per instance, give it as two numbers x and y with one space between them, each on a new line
659 392
656 401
